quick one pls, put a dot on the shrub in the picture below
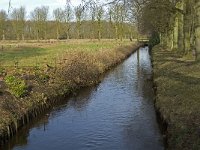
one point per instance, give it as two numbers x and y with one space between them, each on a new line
42 78
2 71
154 40
16 86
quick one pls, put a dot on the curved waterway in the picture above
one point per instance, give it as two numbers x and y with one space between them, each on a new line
117 114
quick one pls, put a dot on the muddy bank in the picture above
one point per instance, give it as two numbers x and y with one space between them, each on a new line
49 85
177 85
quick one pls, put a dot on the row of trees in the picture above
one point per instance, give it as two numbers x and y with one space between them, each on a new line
176 21
87 20
173 23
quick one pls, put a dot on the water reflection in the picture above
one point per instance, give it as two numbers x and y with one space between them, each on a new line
116 114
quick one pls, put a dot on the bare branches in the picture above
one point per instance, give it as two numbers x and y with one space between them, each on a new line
9 6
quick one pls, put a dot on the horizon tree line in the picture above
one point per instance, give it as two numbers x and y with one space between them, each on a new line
94 21
175 24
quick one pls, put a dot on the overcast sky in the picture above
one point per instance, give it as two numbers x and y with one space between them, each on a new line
31 4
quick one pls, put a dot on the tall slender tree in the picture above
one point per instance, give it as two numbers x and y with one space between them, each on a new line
39 16
59 17
3 18
79 13
99 16
68 16
18 17
92 17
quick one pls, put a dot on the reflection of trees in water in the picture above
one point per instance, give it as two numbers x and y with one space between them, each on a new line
145 116
131 75
21 137
78 102
134 74
143 83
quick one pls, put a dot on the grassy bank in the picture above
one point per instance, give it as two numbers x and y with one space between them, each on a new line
42 86
177 98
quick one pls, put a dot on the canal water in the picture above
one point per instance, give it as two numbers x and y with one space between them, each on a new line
117 114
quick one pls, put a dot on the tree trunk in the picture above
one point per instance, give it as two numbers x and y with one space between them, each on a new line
187 27
45 34
121 31
68 33
175 34
116 32
99 30
180 35
23 37
57 33
79 29
3 36
18 37
99 35
161 39
38 35
197 29
169 42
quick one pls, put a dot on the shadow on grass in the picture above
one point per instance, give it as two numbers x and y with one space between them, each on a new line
21 53
178 98
167 71
182 78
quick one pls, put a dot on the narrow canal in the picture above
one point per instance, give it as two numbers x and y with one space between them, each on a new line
118 114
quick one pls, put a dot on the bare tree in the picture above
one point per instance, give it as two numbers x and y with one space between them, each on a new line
68 16
79 13
3 18
92 17
40 16
59 17
116 19
18 20
99 16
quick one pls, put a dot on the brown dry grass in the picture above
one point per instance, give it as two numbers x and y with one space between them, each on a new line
77 69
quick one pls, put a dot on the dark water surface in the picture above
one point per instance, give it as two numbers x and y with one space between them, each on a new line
118 114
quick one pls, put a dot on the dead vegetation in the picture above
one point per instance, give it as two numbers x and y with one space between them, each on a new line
44 85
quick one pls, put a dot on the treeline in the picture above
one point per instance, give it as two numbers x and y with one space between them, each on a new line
87 20
175 23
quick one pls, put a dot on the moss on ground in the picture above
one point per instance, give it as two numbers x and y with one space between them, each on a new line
178 98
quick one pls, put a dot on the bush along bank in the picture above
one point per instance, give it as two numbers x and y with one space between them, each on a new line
27 92
177 86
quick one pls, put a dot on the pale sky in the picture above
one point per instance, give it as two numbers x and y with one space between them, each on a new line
31 4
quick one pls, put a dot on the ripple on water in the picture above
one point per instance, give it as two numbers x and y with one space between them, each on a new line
118 114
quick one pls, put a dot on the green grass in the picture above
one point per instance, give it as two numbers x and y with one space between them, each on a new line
38 54
24 89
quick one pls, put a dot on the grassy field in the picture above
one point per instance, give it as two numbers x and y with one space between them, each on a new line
25 92
178 98
52 53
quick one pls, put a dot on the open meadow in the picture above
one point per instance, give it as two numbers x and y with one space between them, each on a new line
33 53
